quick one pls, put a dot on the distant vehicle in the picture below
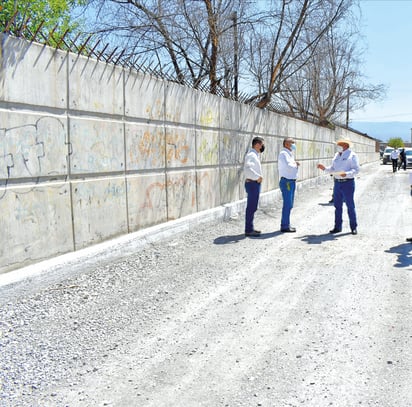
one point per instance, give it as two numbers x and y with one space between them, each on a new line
386 156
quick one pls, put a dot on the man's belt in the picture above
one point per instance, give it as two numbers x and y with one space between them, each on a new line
343 179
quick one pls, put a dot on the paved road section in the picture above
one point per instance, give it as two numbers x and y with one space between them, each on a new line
207 317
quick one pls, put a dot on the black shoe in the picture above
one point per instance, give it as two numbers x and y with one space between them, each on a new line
354 232
331 201
335 230
257 231
409 239
253 233
290 229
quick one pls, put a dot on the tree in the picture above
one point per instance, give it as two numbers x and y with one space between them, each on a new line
51 15
396 142
329 84
314 64
189 40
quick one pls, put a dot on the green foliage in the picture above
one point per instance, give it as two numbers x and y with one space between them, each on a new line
29 14
396 142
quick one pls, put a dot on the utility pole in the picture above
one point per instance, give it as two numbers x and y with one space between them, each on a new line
235 57
347 107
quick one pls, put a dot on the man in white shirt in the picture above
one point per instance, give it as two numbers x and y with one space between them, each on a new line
253 180
394 158
288 172
345 166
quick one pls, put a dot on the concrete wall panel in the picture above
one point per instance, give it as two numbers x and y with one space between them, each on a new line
230 179
35 223
145 146
99 210
208 189
272 125
229 115
207 147
207 110
270 177
95 86
97 146
32 146
251 120
272 147
179 104
146 200
32 74
231 148
144 97
181 194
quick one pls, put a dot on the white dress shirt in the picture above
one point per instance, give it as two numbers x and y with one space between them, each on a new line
287 166
252 167
347 162
394 154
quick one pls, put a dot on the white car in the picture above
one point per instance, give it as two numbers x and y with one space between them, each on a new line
386 157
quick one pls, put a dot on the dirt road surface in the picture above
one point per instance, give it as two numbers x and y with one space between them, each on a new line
211 318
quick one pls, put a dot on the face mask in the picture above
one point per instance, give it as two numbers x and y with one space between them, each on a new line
262 149
293 147
340 149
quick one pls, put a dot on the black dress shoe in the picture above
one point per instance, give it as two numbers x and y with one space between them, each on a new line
290 229
409 239
335 230
253 233
257 231
354 232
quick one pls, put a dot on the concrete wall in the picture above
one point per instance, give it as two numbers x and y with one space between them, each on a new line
90 151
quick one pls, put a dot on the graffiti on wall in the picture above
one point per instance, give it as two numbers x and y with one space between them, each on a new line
182 189
178 150
30 150
208 118
145 147
208 150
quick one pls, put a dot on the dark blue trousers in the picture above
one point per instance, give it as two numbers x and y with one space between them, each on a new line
253 191
344 192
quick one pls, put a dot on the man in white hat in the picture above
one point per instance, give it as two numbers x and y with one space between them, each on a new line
345 166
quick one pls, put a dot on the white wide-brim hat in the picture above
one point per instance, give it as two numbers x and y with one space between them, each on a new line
344 140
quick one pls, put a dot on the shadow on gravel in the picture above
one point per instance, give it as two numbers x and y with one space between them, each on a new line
319 239
237 238
404 252
229 239
268 235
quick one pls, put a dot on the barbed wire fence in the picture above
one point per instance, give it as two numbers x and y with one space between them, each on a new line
92 47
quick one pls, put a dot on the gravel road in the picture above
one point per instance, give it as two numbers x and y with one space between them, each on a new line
211 318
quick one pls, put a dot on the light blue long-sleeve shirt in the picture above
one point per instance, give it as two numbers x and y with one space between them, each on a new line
287 166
